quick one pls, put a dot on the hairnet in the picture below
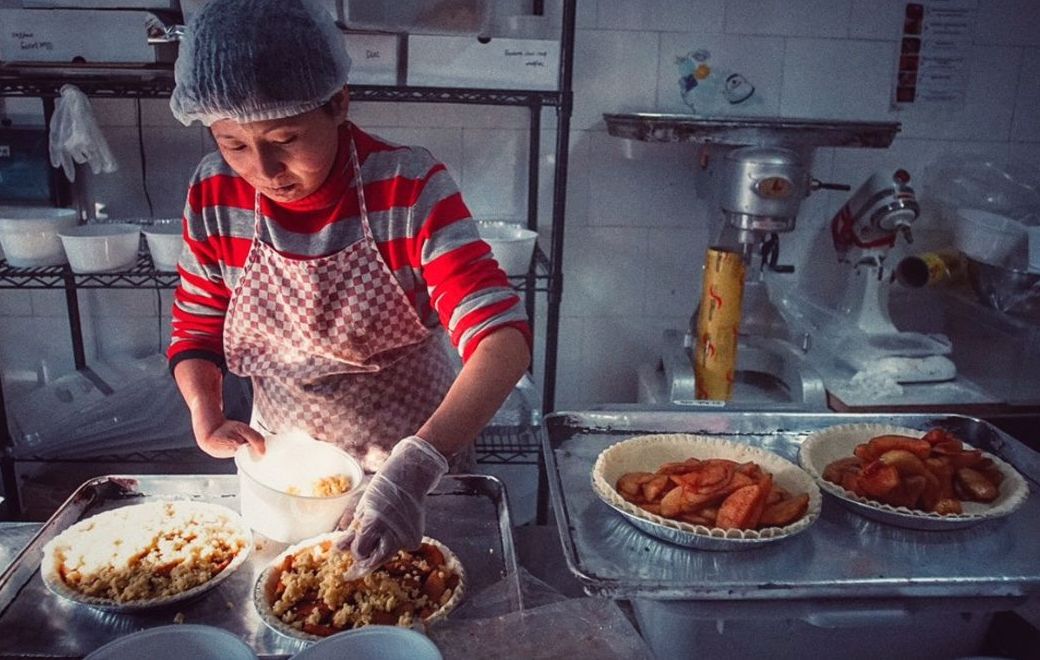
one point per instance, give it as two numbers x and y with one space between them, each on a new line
250 60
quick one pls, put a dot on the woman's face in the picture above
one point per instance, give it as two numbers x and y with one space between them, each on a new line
285 159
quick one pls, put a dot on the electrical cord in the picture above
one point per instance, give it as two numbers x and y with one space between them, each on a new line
144 162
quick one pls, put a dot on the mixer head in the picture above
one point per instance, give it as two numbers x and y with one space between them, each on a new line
762 188
880 209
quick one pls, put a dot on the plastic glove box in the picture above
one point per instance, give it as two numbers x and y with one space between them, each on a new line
439 61
25 166
80 35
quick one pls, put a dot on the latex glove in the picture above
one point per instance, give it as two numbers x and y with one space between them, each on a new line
75 136
389 514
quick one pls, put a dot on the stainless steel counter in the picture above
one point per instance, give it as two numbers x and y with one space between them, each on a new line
468 513
14 536
842 556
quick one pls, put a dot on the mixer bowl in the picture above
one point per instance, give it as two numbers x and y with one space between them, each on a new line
1015 292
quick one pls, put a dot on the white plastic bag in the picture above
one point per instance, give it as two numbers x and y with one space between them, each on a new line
75 136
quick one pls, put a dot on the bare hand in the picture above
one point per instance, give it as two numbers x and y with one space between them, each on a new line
224 440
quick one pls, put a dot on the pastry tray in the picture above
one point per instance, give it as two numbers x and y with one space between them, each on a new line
841 556
468 513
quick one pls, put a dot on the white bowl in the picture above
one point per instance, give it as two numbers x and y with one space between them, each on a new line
383 642
165 243
991 238
292 460
511 244
176 641
29 236
101 248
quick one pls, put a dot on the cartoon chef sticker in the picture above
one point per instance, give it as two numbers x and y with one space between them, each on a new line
705 88
737 88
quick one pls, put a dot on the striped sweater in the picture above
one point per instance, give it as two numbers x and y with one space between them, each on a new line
422 228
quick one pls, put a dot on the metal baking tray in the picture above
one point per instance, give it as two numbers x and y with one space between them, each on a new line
468 513
841 556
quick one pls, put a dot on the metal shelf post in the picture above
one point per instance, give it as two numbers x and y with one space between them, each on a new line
156 81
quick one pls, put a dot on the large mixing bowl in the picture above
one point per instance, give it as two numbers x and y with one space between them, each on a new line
1015 292
274 489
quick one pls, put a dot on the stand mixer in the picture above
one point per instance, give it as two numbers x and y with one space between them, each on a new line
755 172
864 230
761 189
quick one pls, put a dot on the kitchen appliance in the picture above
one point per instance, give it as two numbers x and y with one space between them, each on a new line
862 335
758 174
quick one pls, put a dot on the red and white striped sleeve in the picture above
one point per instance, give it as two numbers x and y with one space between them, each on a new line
200 301
468 290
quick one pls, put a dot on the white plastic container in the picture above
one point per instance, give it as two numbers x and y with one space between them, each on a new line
470 17
499 63
511 244
383 642
165 243
29 236
782 630
292 460
991 238
102 247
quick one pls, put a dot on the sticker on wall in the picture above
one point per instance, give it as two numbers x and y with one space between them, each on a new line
706 88
934 54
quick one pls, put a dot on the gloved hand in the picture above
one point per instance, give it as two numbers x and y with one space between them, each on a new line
389 514
75 136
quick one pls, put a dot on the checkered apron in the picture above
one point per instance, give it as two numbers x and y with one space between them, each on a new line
333 345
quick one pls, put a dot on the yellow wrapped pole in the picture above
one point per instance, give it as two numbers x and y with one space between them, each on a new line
715 355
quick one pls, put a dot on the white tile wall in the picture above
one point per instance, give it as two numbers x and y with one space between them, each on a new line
1008 22
641 184
817 18
494 173
606 270
673 270
16 303
636 227
837 79
661 15
578 180
615 71
876 19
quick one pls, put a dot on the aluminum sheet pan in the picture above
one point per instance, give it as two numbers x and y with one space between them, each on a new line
13 537
842 556
787 131
468 513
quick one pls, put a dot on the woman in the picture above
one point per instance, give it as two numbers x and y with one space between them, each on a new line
321 259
